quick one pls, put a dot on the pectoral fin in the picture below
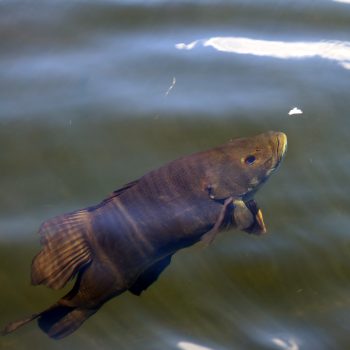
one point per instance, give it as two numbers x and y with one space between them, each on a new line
243 217
248 217
258 226
260 222
209 236
149 276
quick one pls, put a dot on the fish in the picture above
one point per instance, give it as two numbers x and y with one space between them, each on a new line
126 241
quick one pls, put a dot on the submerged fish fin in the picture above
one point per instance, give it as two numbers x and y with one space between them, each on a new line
149 276
65 249
114 194
57 322
11 327
119 191
209 236
242 216
60 320
258 225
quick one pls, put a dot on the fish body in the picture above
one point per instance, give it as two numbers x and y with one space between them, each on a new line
127 240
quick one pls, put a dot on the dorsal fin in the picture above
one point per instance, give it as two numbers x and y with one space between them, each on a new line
119 191
114 194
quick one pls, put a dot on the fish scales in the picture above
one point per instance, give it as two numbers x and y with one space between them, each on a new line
127 240
163 219
142 224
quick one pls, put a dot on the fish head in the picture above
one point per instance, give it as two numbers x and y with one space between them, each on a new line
254 159
241 167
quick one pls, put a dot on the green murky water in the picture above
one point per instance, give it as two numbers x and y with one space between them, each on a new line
85 107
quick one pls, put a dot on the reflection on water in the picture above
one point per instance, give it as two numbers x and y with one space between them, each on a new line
183 345
286 345
275 342
93 94
331 50
343 1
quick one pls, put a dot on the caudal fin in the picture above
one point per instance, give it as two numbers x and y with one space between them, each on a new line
57 322
65 249
61 320
11 327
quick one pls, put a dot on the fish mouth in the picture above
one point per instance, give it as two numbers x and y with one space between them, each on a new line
281 146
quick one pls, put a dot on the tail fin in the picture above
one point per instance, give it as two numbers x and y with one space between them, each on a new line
60 321
11 327
65 249
57 322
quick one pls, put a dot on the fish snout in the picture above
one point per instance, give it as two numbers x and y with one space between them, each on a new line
281 145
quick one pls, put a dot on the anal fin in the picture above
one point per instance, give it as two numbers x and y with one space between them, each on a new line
149 276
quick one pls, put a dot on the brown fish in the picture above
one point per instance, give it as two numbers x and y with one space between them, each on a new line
126 241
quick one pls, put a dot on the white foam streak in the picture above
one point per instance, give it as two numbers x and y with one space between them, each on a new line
286 345
190 46
184 345
343 1
332 50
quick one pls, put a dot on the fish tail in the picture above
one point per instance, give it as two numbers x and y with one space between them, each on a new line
11 327
60 320
57 322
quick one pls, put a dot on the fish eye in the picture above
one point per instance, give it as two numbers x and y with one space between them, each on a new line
249 160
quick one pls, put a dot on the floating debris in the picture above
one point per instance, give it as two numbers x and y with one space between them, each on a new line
295 111
171 87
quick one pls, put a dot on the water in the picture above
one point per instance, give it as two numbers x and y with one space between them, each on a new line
94 94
